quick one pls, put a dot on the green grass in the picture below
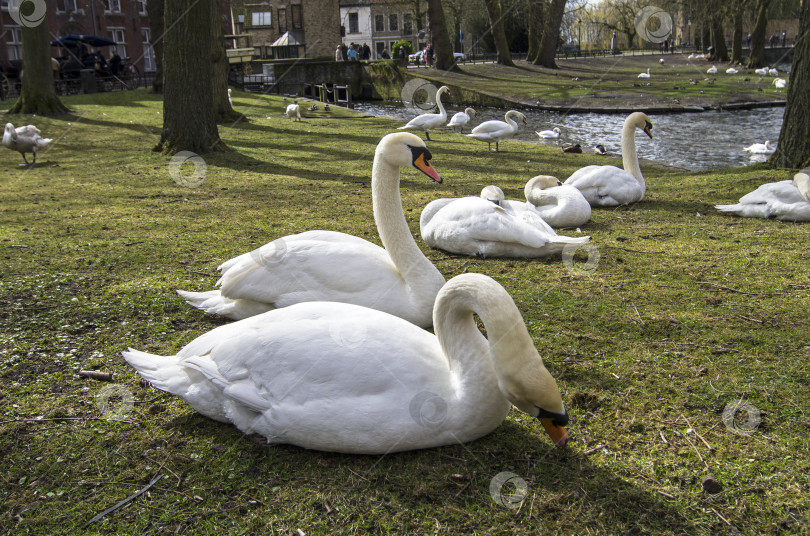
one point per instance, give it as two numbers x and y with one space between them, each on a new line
687 311
612 82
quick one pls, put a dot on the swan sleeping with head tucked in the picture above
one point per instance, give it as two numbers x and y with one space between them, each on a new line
461 119
495 131
732 70
25 139
331 266
711 70
560 205
343 378
783 200
609 186
490 226
428 121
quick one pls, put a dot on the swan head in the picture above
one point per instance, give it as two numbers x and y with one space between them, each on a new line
515 113
470 112
403 149
641 121
802 181
556 130
493 194
9 134
443 89
542 182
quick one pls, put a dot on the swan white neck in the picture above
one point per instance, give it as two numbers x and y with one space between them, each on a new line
439 103
394 231
629 156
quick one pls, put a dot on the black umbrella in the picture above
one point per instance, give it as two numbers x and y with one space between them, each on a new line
71 40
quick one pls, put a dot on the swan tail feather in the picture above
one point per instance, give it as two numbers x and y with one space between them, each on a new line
213 302
163 372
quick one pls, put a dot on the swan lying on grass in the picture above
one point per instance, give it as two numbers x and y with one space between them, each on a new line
560 205
783 200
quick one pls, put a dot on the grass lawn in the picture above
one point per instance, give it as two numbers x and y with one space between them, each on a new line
612 82
687 312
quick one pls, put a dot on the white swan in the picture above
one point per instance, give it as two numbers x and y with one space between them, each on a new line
609 186
760 148
761 71
343 378
553 133
490 226
645 75
560 205
230 101
461 119
783 200
711 70
780 83
773 71
732 70
24 139
293 112
331 266
428 121
495 131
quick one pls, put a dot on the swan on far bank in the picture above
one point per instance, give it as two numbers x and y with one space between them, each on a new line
428 121
553 133
460 119
711 70
495 131
332 266
760 148
293 112
645 75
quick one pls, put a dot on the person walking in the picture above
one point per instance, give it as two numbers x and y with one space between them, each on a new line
344 51
338 54
352 53
784 38
366 55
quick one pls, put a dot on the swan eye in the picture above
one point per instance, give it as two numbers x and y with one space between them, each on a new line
559 419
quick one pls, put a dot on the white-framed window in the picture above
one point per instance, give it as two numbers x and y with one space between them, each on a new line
261 18
117 35
13 42
149 64
141 7
113 6
354 23
379 23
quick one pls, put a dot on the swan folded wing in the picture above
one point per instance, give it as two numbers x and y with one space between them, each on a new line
782 191
606 182
489 127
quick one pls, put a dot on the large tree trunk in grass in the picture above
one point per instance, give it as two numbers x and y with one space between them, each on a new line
736 41
551 34
535 15
442 48
498 34
757 52
219 69
793 150
37 95
189 123
719 40
155 9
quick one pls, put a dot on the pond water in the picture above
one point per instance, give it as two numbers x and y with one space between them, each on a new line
692 141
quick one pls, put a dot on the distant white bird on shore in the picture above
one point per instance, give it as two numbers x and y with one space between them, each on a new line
229 97
760 148
645 75
661 60
762 71
428 121
690 56
494 130
732 70
293 112
780 83
24 139
553 133
461 119
773 71
711 70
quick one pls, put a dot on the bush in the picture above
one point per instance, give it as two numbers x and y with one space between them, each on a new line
399 44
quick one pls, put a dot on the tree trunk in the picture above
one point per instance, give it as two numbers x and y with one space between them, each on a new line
155 9
719 40
736 41
37 95
794 140
498 34
535 15
189 123
756 57
219 68
442 48
551 34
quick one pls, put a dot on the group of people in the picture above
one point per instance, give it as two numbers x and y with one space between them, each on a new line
68 65
667 45
774 39
352 52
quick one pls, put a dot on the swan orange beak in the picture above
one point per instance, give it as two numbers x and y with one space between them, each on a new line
559 435
648 129
423 165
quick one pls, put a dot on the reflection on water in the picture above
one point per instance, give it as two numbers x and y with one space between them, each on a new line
692 141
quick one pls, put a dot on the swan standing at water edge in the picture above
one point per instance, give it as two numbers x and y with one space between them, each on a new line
331 266
25 139
645 75
490 226
760 148
783 200
461 119
560 205
313 375
429 121
553 133
495 131
609 186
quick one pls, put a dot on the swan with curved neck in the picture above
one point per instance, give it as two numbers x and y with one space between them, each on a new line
429 121
560 205
609 186
783 200
495 131
313 375
332 266
461 119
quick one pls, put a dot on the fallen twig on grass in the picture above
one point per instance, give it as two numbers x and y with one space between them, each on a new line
125 501
65 419
96 375
595 449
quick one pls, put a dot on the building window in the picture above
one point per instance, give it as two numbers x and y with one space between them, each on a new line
407 24
379 24
354 25
257 52
148 52
117 35
297 17
13 42
380 46
268 51
113 6
261 18
141 7
393 22
65 6
282 20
